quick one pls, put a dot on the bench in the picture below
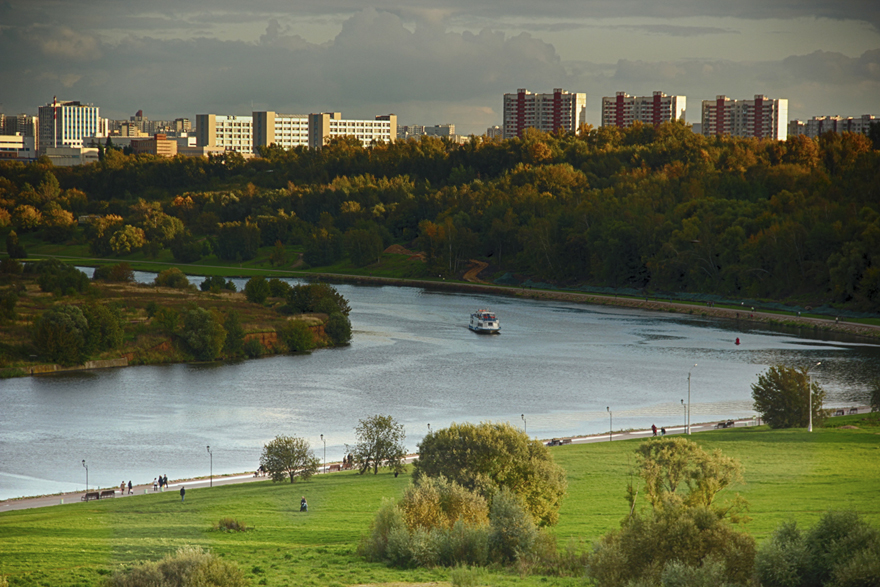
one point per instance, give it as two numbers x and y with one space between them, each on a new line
838 413
728 424
108 493
559 441
91 495
853 410
334 468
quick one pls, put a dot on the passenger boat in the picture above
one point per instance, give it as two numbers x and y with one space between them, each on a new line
485 322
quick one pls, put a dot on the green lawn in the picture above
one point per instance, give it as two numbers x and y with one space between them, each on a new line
789 474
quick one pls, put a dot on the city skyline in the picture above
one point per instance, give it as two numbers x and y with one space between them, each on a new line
441 62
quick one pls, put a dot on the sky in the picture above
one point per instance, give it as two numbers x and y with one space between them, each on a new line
433 61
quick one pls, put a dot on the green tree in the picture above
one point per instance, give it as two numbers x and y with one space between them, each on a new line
681 468
289 457
216 284
487 457
782 397
297 336
279 255
119 273
379 444
173 278
363 246
237 241
127 239
8 300
105 327
338 328
55 277
256 290
234 333
203 334
61 335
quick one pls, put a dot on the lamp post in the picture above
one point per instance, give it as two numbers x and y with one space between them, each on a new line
689 401
610 422
212 464
87 475
325 452
429 428
525 427
810 395
684 408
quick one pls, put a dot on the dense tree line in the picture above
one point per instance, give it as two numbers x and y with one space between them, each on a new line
658 209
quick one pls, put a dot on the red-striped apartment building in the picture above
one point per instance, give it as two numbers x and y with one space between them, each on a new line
623 110
545 112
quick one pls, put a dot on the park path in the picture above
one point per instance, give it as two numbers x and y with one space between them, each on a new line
474 271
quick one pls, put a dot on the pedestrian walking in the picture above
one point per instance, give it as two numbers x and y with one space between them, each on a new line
663 432
182 493
654 429
303 504
122 488
129 486
155 484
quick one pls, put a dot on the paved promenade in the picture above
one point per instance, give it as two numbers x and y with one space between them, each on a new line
174 486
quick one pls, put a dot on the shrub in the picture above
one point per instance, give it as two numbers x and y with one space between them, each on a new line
338 328
119 273
230 525
512 532
438 503
173 278
216 284
253 348
61 335
203 334
464 576
296 336
278 288
256 289
188 567
60 279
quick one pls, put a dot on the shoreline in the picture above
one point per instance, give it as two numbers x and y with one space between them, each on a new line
70 497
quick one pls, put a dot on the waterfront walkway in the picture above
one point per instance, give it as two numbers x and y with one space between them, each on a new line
174 486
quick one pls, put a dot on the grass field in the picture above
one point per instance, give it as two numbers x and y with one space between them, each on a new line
789 474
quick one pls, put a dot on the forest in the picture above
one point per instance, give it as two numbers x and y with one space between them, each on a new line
652 209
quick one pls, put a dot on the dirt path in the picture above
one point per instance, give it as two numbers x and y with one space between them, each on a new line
475 270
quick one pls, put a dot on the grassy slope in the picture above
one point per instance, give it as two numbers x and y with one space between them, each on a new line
789 475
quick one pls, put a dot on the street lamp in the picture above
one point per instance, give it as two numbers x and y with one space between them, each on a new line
684 407
325 452
429 428
212 465
87 475
525 427
689 401
610 422
810 395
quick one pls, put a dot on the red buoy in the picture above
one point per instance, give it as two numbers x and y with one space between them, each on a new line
737 341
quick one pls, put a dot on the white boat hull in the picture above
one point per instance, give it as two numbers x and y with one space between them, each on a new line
484 322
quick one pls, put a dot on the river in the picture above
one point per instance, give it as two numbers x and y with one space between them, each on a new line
555 370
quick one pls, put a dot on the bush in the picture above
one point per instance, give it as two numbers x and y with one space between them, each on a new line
173 278
256 289
278 288
253 348
60 279
119 273
203 334
438 503
188 567
61 335
216 284
230 525
296 336
338 328
512 531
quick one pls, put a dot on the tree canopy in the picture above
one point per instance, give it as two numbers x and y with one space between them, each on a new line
289 457
487 457
379 444
782 398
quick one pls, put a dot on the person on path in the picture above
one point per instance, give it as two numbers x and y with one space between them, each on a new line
303 504
654 429
663 432
165 481
122 488
182 493
155 484
129 486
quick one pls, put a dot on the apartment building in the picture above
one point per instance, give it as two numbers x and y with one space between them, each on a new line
64 123
230 133
21 124
545 112
417 131
328 125
762 117
284 130
623 110
822 124
159 144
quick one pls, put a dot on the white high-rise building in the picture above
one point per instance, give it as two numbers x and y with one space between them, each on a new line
64 123
623 110
284 130
761 118
328 125
822 124
545 112
230 133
